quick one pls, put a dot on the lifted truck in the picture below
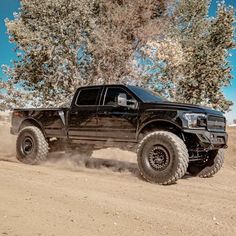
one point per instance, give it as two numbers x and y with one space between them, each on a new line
169 138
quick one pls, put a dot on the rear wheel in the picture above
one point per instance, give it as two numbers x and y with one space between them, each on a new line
209 166
162 157
31 146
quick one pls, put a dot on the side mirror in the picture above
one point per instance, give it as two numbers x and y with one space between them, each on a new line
122 100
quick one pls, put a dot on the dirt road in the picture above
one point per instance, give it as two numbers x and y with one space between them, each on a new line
61 198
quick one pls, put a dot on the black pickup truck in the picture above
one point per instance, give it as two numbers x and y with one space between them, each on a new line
169 138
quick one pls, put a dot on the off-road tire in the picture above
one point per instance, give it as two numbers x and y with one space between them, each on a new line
210 167
39 150
176 150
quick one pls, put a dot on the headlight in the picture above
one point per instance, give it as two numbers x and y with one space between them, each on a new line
195 120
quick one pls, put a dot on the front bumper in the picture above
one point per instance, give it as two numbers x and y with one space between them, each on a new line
210 140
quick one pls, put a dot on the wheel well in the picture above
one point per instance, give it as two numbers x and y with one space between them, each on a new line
160 125
30 122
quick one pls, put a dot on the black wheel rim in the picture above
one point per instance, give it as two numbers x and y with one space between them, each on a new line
27 145
158 158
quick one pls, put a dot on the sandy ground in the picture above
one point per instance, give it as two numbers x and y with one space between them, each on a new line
61 198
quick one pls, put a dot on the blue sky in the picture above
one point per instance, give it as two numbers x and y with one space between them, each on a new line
7 7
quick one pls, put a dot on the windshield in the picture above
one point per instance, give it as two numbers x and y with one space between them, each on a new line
145 95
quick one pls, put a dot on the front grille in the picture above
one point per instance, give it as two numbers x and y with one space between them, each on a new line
216 123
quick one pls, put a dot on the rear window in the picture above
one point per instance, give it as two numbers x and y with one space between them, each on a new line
88 97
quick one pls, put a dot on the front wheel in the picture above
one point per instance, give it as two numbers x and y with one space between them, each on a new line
162 157
210 166
31 146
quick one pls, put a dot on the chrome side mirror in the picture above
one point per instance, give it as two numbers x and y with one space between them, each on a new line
122 100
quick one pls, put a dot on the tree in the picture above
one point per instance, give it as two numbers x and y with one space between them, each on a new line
64 44
48 35
190 62
124 27
206 43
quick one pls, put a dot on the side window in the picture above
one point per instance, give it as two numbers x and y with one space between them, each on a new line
112 96
88 96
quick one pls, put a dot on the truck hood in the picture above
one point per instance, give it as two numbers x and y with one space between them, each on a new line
182 107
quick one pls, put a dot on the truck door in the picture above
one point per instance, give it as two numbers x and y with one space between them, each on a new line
82 120
118 123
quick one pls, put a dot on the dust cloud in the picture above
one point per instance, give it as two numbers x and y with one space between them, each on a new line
99 160
7 143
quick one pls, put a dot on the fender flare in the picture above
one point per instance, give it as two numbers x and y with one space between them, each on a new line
142 127
34 122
